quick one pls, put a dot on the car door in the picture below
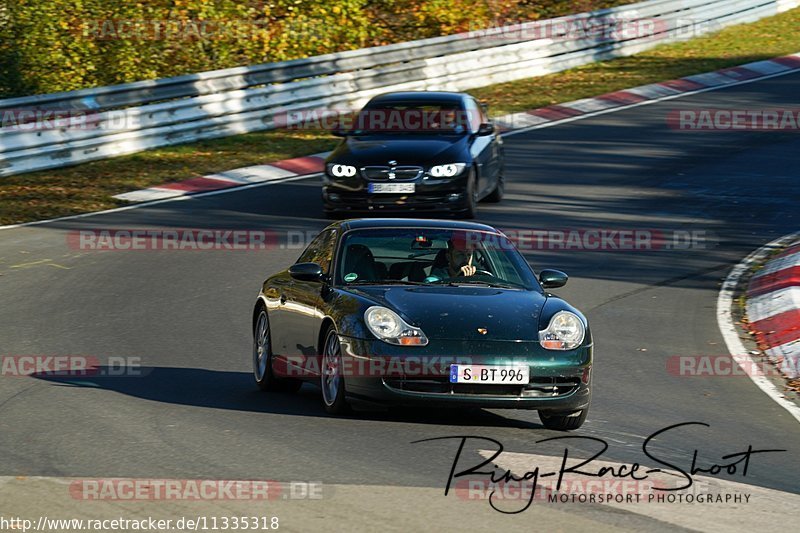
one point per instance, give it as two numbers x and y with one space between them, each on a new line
301 302
275 293
495 151
480 148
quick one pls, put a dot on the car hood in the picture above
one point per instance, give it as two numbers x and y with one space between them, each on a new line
408 149
457 313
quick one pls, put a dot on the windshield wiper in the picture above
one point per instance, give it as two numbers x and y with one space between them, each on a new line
483 283
387 282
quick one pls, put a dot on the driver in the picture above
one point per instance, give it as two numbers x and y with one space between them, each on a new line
450 121
460 256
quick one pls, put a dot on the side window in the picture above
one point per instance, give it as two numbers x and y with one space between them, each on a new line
482 111
474 115
320 250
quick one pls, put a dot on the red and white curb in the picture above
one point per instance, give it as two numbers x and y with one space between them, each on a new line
512 123
768 284
297 166
773 309
654 92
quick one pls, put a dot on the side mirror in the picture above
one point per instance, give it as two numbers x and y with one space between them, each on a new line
485 129
340 128
306 272
552 279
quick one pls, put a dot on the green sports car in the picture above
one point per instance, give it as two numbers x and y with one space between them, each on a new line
423 312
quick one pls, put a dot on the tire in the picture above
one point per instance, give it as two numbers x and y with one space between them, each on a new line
563 421
497 194
472 198
331 380
262 359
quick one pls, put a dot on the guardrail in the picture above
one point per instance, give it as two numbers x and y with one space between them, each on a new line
128 118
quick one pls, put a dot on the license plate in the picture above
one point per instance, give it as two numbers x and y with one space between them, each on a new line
395 188
489 374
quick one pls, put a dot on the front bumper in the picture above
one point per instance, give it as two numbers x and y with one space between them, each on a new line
559 381
431 194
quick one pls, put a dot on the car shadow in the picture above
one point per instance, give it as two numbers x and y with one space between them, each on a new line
236 391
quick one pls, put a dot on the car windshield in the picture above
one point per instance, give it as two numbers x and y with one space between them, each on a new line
410 118
431 256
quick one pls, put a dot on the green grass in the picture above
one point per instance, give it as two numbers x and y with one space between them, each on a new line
90 187
765 39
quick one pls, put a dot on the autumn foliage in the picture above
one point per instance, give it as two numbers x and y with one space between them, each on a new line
59 45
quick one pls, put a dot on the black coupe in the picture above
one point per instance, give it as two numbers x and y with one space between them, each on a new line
415 151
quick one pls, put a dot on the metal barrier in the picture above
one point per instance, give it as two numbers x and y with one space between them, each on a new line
128 118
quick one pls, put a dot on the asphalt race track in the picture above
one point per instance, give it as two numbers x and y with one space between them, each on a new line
197 413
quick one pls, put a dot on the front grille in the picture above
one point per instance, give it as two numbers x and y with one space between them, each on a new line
406 173
538 387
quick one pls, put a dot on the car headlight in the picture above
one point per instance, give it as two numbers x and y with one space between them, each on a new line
389 327
342 171
564 332
447 171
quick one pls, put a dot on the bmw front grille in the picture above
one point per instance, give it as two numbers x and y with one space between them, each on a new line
385 173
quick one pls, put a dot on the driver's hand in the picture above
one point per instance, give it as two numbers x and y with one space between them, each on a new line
468 270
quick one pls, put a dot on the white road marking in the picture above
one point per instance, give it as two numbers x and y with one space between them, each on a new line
711 78
255 174
147 195
766 67
589 105
653 90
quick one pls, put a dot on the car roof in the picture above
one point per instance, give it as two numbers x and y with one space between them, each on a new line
378 223
419 96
